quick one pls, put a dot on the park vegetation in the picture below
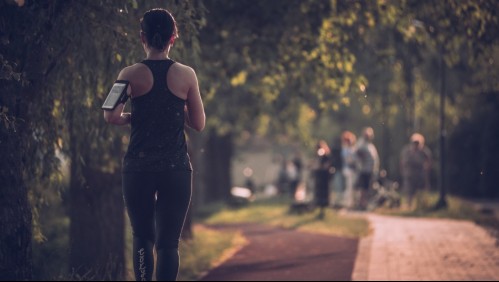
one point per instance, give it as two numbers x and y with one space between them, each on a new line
288 71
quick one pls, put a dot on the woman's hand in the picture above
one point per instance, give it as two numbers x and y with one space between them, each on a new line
117 116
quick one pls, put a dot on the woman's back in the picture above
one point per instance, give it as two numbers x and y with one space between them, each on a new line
157 175
157 141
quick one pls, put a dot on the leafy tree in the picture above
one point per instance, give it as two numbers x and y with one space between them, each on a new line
250 89
96 205
27 141
399 47
57 68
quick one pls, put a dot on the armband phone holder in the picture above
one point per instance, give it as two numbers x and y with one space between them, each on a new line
117 95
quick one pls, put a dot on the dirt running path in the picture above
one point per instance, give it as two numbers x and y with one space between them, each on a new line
277 254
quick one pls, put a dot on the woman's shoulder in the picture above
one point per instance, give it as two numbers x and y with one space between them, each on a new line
135 68
132 70
182 69
183 72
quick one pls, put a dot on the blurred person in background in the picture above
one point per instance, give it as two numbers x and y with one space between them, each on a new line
337 168
349 168
415 165
368 165
282 181
322 175
298 172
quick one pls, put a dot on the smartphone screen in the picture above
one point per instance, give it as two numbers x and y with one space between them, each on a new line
115 95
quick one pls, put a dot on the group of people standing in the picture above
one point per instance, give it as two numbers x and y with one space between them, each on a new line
353 166
360 167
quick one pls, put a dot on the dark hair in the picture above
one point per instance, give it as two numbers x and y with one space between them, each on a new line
159 26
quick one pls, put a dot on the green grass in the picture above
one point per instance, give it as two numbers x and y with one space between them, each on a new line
50 257
275 213
424 207
457 208
208 249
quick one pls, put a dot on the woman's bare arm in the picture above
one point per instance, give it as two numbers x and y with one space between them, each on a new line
195 115
117 116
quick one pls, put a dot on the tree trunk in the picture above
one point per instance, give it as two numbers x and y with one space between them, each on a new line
97 225
195 148
218 167
385 141
197 155
442 201
411 101
16 261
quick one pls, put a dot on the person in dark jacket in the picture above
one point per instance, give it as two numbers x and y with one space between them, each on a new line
415 165
322 175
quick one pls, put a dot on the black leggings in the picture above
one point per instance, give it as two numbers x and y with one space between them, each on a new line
157 203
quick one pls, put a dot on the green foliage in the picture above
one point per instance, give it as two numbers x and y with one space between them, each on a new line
397 46
262 44
57 62
50 256
58 68
276 57
299 69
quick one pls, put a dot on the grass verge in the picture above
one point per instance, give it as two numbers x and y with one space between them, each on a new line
424 207
208 249
457 208
276 213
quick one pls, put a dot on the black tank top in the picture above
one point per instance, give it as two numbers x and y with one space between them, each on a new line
157 141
